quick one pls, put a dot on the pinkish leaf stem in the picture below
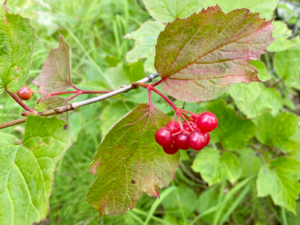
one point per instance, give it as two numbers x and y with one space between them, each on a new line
164 97
150 98
158 82
18 101
77 92
74 96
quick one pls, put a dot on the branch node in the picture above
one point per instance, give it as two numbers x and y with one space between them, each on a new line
27 113
63 109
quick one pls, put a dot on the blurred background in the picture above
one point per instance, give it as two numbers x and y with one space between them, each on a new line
95 31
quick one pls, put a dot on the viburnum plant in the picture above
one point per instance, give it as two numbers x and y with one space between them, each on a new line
200 53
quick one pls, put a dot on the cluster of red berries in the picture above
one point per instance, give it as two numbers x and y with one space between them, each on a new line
191 134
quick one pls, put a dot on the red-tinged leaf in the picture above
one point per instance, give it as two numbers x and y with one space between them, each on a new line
203 55
55 75
129 162
51 103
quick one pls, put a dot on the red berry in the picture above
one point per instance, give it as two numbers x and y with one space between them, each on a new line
171 149
181 141
24 93
194 117
207 122
173 126
196 140
163 136
207 138
192 125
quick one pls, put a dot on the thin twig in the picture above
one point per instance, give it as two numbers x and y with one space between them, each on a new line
73 106
18 100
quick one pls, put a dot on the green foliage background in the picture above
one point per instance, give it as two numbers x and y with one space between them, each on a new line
253 118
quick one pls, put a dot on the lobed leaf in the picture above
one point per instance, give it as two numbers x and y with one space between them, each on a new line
254 99
17 43
276 131
281 34
203 55
232 131
265 8
55 75
129 161
169 10
215 167
145 40
287 65
250 162
263 74
134 71
280 181
27 167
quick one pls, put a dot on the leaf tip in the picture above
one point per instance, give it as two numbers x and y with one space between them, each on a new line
94 166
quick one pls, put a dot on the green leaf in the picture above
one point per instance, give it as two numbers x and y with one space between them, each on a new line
168 10
280 181
295 154
51 103
287 65
149 64
56 73
207 200
27 167
129 161
215 167
265 8
134 71
232 131
294 219
185 198
112 113
203 55
17 43
281 34
145 40
117 76
250 162
76 124
263 74
276 131
112 61
254 99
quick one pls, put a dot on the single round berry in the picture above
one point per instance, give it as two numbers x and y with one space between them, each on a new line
207 138
163 136
207 122
196 140
24 93
171 149
181 141
191 125
173 126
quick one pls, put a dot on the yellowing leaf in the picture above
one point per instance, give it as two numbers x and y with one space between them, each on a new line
129 162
